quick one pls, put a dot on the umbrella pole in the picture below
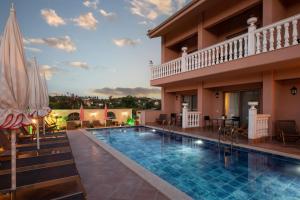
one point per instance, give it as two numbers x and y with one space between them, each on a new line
44 126
13 164
38 134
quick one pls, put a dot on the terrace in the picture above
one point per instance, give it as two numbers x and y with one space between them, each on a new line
269 144
270 41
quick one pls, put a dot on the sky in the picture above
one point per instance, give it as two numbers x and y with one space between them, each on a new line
92 47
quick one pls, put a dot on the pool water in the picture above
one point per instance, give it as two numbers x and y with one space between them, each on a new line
207 170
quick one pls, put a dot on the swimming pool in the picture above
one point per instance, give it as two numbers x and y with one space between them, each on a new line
204 169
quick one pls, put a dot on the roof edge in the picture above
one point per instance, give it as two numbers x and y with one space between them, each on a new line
153 32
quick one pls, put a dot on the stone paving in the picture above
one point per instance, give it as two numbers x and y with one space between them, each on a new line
105 177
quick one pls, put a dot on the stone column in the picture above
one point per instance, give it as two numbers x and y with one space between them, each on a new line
252 120
184 115
183 59
251 36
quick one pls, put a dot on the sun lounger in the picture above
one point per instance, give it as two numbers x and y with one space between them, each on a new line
40 172
43 146
287 131
65 191
41 177
162 119
44 140
36 162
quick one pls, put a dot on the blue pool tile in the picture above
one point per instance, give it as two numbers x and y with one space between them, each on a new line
207 171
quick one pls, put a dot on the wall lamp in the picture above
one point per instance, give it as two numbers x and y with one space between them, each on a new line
293 90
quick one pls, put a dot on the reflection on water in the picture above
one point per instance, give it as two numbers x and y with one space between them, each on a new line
207 170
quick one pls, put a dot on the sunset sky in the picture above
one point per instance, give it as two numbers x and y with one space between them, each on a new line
93 47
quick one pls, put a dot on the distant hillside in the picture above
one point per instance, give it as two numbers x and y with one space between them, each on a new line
74 102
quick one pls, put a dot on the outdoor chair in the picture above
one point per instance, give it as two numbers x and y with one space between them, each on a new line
71 125
207 122
86 124
96 123
162 119
173 120
287 131
235 121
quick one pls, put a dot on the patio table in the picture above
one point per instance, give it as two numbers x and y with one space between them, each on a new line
221 121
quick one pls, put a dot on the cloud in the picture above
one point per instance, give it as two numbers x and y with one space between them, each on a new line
126 42
32 49
109 15
151 9
49 71
119 91
63 43
86 21
52 18
78 64
91 4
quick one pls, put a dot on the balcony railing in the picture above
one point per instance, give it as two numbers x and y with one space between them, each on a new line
190 119
281 34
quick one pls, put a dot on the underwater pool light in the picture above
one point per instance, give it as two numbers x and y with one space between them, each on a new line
198 142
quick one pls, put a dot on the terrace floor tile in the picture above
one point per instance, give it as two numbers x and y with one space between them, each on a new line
105 177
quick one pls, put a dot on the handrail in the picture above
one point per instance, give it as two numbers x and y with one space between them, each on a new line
280 34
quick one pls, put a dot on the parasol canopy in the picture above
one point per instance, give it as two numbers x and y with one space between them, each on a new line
13 77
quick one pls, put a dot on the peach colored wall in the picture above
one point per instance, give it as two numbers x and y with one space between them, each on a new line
272 11
168 102
200 23
288 106
148 116
293 9
96 114
275 10
269 94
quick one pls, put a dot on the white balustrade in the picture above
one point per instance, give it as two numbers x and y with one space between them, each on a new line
258 124
262 125
193 119
281 34
190 119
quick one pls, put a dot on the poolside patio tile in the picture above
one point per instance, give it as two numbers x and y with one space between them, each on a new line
105 177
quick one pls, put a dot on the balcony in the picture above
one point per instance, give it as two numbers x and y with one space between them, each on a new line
282 34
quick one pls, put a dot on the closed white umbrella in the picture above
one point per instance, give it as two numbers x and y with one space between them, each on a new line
44 98
13 85
35 97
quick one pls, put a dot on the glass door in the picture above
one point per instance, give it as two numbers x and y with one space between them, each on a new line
232 104
191 100
246 96
236 104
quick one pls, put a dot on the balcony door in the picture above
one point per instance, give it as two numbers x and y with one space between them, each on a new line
191 100
236 104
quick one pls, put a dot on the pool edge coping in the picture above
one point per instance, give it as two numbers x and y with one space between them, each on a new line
161 185
260 149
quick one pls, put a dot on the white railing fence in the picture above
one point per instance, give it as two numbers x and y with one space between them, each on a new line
262 125
258 125
190 119
281 34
